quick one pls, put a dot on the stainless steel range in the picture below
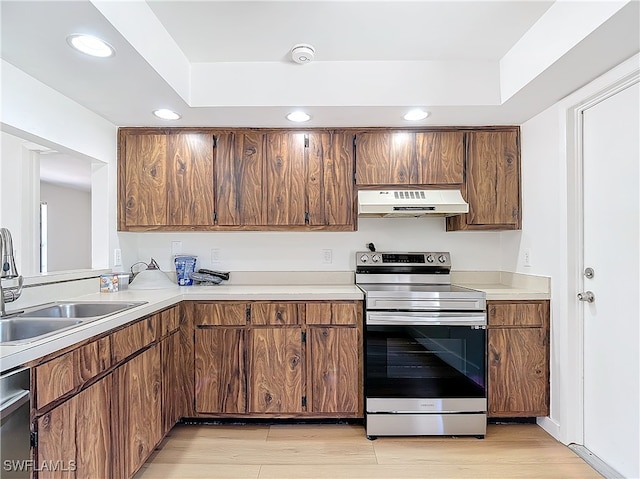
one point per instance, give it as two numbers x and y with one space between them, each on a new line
425 347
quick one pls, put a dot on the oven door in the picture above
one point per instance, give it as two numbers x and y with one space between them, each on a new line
425 362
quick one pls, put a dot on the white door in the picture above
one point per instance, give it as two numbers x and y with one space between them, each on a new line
611 154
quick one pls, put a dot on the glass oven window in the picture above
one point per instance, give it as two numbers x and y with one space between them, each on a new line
425 362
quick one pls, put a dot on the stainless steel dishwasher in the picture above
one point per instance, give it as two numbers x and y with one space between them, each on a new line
15 433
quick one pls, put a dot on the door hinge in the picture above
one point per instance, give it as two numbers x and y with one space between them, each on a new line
306 217
247 314
355 137
33 438
215 141
306 141
304 401
215 217
304 336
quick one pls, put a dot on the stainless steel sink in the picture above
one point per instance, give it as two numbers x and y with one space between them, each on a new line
81 310
41 321
19 331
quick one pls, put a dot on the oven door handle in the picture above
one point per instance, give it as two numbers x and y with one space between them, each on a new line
427 319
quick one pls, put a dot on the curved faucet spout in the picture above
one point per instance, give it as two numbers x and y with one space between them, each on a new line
8 270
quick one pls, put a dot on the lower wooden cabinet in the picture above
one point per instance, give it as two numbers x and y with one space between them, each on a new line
172 381
74 438
518 358
137 413
288 359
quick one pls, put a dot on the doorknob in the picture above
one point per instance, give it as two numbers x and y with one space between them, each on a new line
587 296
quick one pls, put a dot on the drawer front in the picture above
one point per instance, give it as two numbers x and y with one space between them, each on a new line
275 314
220 314
529 314
55 378
133 338
169 320
332 313
92 359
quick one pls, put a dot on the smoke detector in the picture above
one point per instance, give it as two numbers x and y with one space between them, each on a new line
302 53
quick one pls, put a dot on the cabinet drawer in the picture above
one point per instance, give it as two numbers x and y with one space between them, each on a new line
275 314
531 314
169 320
220 314
133 338
65 373
332 313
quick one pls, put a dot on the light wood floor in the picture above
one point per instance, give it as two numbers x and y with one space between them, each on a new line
343 452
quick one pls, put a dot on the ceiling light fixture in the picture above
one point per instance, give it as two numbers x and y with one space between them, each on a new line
298 116
302 53
90 45
166 114
416 115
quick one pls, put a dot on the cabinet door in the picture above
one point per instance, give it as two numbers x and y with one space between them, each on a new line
220 370
74 438
518 372
493 178
190 179
144 187
440 157
172 375
285 179
386 158
139 391
239 178
333 380
275 370
330 179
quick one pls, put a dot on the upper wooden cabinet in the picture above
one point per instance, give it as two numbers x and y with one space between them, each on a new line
235 179
492 186
409 158
165 179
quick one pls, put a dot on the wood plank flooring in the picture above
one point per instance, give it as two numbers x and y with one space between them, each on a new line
335 451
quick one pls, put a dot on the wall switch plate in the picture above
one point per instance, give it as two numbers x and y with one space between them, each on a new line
327 256
215 255
526 257
117 257
176 248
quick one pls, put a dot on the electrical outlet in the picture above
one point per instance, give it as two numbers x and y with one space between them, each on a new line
526 257
176 248
327 256
215 255
117 257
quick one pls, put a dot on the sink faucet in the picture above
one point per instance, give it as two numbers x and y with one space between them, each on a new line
8 271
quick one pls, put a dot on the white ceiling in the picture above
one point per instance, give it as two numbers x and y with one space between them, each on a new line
227 63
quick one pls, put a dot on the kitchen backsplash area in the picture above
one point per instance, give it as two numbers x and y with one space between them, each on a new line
313 251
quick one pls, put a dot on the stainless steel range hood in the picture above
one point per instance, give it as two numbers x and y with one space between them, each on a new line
410 203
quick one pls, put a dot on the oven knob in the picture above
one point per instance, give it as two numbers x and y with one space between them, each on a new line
376 258
442 258
364 258
430 258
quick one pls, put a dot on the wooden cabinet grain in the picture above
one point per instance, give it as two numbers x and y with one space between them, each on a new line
172 381
165 179
518 358
74 438
492 186
282 359
409 158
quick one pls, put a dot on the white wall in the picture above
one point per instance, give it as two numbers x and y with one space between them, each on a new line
300 251
69 227
33 111
548 197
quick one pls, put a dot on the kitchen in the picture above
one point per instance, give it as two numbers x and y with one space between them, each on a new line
242 252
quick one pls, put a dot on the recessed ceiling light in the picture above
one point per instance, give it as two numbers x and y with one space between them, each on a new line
90 45
166 114
298 116
416 115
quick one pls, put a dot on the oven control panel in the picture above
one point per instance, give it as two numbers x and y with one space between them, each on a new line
437 258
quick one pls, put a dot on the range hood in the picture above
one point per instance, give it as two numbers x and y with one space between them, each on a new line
410 203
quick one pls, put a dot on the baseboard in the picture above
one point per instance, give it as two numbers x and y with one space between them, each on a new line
549 425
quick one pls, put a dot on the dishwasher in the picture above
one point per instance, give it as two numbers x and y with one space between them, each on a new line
15 432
